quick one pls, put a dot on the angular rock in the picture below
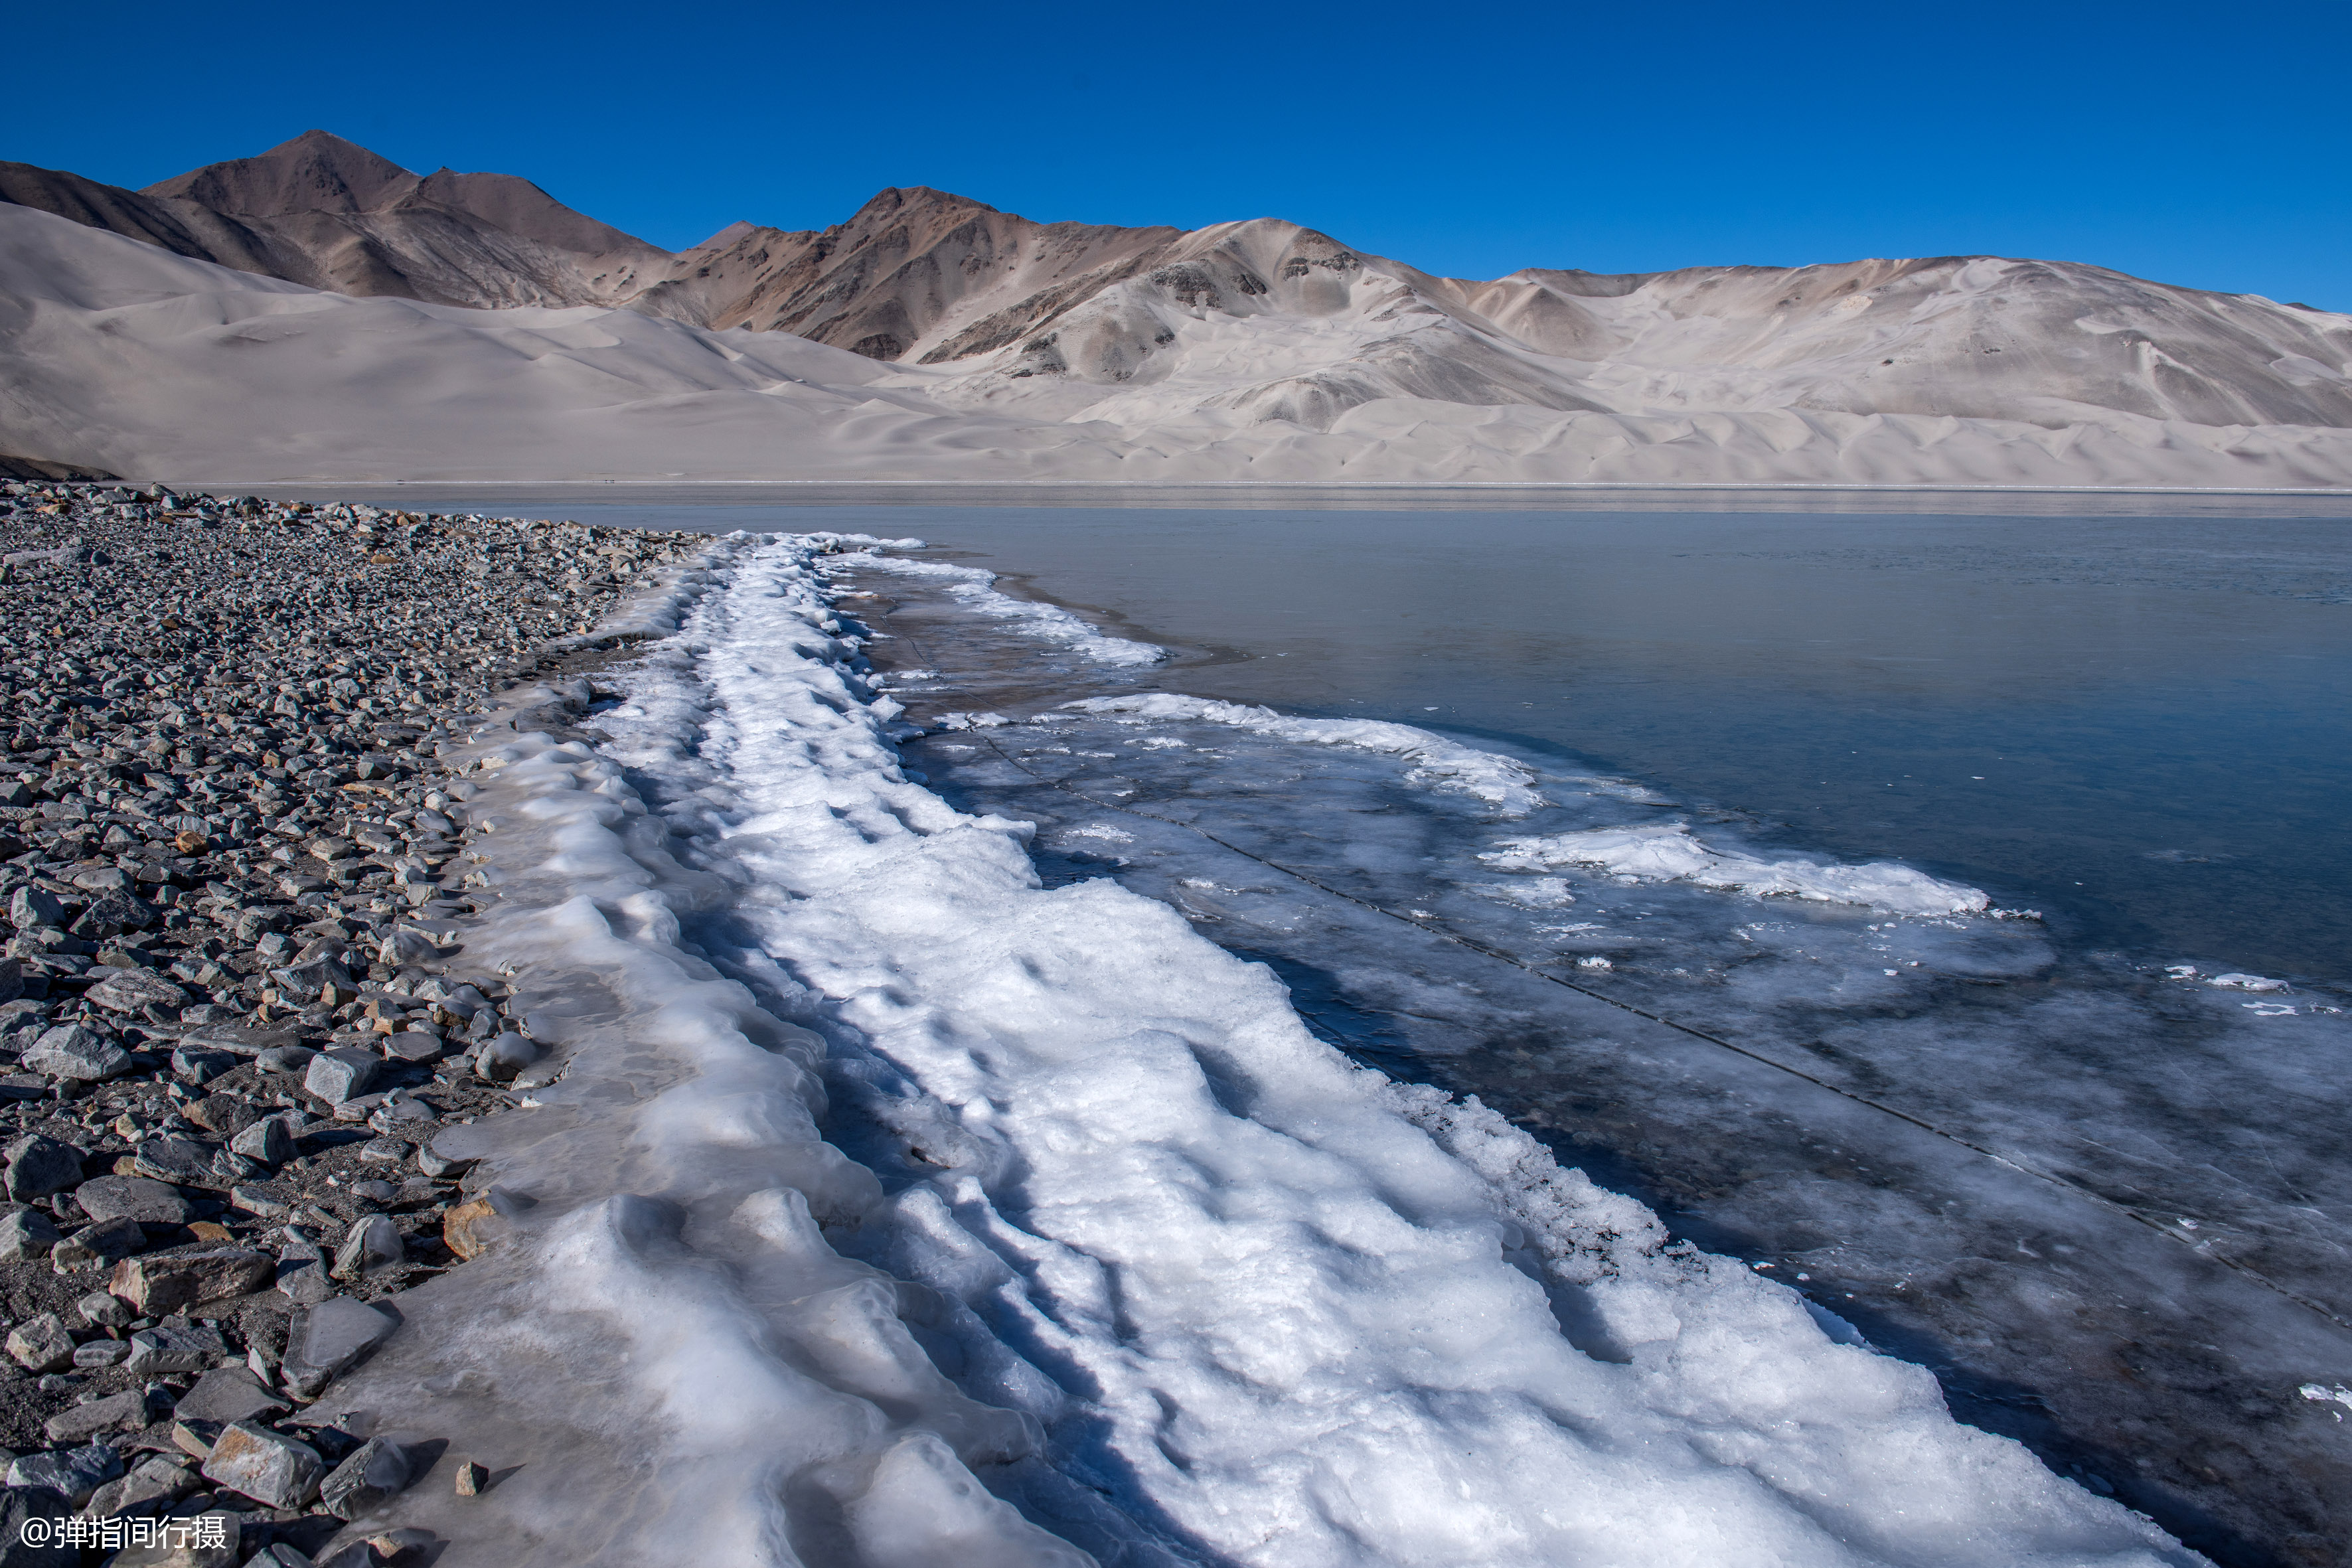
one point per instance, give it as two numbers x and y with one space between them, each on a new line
415 1045
93 1353
241 1040
77 1473
328 1339
268 1467
111 912
256 1203
38 1166
20 1506
372 1243
104 1310
402 1117
71 1051
192 1065
223 1115
374 1474
12 979
228 1394
41 1344
340 1075
303 1281
182 1161
132 1197
124 1412
159 1480
133 990
311 979
287 1058
266 1142
29 907
174 1347
209 1539
98 1246
194 1437
154 1286
25 1234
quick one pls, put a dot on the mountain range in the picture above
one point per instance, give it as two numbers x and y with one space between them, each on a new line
317 312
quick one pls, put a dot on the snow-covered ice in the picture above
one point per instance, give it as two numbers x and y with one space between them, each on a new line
1437 763
975 588
876 1203
1667 852
1950 1128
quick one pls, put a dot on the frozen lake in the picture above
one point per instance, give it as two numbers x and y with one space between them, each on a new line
2105 1202
2138 724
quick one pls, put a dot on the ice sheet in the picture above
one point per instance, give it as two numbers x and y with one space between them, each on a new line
1943 1126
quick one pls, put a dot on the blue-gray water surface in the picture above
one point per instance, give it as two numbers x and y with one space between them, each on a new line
2140 725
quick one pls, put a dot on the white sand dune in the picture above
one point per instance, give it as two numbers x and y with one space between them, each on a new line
1255 351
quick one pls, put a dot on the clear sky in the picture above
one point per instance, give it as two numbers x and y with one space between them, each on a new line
2209 145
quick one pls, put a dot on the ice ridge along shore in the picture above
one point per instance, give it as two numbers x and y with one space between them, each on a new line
878 1205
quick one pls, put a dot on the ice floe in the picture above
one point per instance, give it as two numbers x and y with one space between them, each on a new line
1667 852
1437 762
974 587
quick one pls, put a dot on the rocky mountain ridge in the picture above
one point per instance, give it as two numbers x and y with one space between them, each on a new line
1233 351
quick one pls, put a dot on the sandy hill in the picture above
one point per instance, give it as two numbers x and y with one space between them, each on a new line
978 344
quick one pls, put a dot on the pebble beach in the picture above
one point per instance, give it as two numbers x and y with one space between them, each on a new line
235 1005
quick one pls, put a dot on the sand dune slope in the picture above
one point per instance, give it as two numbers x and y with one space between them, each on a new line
1255 351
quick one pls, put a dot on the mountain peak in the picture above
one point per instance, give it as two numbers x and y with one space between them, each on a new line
919 200
316 172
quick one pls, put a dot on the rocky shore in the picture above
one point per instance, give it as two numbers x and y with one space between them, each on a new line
234 1009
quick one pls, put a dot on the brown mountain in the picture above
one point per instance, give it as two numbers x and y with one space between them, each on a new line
1268 321
906 276
323 211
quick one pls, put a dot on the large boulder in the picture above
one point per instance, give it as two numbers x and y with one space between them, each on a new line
140 1198
38 1166
71 1051
155 1286
135 990
271 1468
326 1340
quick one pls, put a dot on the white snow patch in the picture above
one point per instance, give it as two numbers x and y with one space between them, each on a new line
2235 981
1438 762
972 586
2338 1395
1666 852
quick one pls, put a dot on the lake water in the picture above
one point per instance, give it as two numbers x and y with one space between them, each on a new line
2140 725
2109 1205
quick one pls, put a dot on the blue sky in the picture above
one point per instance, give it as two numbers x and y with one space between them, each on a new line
2204 145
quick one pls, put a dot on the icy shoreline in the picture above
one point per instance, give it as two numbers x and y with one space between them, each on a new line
879 1192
